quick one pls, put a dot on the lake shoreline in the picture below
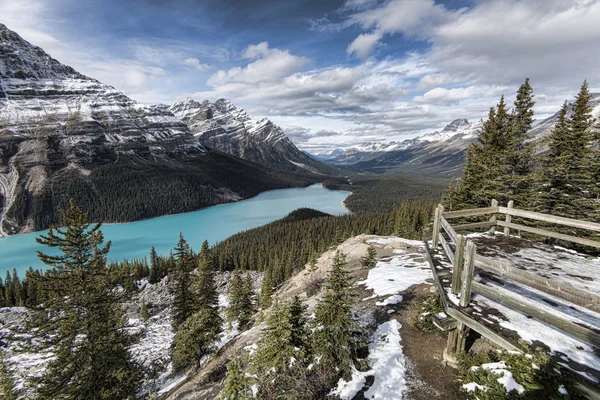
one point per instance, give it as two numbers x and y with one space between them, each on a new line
134 239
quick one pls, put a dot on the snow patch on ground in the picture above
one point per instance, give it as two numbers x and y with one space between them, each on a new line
530 330
393 275
395 239
395 299
387 366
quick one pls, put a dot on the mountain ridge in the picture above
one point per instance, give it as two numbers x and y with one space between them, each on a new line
64 135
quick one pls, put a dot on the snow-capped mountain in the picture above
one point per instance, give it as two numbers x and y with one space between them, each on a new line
64 135
227 128
432 153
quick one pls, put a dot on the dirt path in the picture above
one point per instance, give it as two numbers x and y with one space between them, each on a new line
427 376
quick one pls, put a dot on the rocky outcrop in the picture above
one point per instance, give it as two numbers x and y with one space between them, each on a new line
227 128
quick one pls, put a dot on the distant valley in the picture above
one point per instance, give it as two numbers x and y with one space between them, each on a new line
437 154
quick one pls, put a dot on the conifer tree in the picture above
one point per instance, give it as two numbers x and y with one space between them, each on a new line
266 291
236 382
246 305
184 301
282 355
82 320
9 290
7 382
520 152
334 340
196 337
484 175
17 288
2 294
235 294
370 258
566 183
144 311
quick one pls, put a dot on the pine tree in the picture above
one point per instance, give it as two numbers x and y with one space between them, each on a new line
184 301
82 320
144 315
334 340
9 290
236 382
7 382
246 306
266 290
196 337
565 186
282 356
520 152
370 258
235 294
484 173
17 288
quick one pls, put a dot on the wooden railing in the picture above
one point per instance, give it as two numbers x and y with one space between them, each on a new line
464 260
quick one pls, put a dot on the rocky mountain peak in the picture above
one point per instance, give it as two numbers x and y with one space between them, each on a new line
19 59
456 124
225 106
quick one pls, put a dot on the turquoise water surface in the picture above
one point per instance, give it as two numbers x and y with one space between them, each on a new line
134 239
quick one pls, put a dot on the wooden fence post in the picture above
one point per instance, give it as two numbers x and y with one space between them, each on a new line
508 218
436 225
467 274
458 263
493 219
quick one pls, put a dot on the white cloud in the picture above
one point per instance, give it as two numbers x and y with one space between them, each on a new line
445 96
269 65
363 44
195 63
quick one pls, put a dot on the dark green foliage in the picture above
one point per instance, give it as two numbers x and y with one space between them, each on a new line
196 337
412 218
385 192
284 246
499 164
283 353
235 294
334 338
130 188
82 320
537 372
144 311
236 383
8 388
266 291
566 184
423 319
185 303
370 258
246 305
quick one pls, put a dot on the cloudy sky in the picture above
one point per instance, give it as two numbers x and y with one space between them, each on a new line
332 73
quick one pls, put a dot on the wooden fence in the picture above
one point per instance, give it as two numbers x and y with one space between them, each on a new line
465 259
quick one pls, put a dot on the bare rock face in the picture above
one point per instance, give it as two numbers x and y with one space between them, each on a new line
224 127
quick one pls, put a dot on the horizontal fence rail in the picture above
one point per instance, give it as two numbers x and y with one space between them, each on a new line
462 254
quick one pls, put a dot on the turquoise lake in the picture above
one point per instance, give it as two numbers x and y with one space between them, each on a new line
134 239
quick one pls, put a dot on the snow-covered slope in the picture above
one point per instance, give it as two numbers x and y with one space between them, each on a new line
227 128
